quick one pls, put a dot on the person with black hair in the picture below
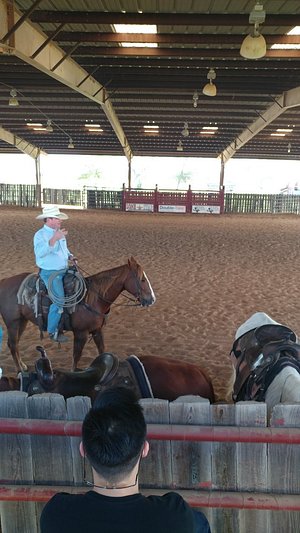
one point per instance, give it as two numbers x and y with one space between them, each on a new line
114 442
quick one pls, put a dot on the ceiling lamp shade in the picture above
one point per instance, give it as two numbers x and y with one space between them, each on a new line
185 132
210 89
254 45
195 99
49 126
179 147
13 100
71 144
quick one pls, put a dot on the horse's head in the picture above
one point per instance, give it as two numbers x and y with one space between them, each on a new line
256 349
138 284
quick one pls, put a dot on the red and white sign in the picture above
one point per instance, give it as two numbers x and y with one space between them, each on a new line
139 207
201 209
172 209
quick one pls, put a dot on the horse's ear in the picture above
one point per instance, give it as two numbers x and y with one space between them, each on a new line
132 261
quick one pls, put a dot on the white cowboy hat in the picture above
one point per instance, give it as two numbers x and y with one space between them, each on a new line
52 211
255 321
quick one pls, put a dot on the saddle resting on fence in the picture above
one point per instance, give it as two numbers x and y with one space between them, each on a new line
106 371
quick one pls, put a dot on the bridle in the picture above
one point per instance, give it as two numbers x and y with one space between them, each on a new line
136 299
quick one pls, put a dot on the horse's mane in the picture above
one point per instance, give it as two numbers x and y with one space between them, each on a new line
106 278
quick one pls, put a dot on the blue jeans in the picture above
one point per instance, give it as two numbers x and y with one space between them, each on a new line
57 288
202 525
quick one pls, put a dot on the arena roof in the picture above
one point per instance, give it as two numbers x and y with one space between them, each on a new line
68 65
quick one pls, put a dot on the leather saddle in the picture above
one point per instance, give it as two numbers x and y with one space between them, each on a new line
106 371
33 293
262 354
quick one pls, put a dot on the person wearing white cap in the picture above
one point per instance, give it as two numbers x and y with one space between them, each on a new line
52 255
285 385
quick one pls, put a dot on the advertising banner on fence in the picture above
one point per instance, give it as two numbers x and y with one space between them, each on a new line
139 207
212 209
172 209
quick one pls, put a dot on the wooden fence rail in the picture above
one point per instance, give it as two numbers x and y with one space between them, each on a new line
261 203
251 472
153 200
19 195
62 197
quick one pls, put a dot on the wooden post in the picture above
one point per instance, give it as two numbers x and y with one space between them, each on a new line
156 469
283 467
252 466
191 461
16 466
77 408
124 198
223 457
52 457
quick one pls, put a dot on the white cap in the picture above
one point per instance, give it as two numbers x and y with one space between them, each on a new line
255 321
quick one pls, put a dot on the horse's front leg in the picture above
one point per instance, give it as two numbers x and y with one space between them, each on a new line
80 339
98 340
14 332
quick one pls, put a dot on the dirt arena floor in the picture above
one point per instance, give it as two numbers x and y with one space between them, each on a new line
209 274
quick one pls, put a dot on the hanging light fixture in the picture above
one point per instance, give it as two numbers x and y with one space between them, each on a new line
185 132
210 89
49 126
13 100
289 147
254 45
71 144
195 99
179 147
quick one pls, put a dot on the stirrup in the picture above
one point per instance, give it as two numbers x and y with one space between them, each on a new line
58 337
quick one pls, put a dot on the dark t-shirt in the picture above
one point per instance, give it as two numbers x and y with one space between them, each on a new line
95 513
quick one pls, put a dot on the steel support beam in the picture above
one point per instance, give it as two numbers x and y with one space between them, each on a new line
168 19
38 181
20 144
52 60
286 101
167 38
94 51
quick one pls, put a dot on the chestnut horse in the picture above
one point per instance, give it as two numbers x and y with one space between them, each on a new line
89 316
165 378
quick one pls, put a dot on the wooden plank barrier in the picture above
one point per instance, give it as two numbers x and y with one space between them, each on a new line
239 484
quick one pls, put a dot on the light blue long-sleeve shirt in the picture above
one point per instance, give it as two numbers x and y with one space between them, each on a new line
50 257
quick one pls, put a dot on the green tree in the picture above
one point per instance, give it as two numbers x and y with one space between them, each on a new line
90 174
137 178
182 177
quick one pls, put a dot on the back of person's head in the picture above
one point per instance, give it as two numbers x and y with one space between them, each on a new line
113 433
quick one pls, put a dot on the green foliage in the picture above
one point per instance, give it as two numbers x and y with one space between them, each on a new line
90 174
182 177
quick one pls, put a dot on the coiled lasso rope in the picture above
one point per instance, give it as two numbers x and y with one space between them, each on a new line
73 299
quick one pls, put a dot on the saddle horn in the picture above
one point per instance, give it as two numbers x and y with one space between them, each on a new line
44 369
42 351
